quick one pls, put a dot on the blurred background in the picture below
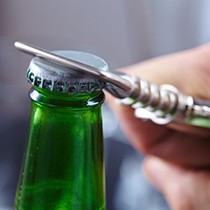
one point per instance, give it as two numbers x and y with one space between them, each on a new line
121 32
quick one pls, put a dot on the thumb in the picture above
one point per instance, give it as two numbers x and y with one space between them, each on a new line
183 189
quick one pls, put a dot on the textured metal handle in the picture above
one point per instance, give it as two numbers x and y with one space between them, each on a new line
165 104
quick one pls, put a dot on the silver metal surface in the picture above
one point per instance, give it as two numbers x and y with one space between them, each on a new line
72 64
161 104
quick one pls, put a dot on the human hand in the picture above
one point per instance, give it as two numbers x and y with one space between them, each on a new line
178 157
189 71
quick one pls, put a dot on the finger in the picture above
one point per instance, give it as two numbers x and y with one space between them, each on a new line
182 188
188 71
148 138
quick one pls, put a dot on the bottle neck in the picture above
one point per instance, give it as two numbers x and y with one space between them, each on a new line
82 100
64 161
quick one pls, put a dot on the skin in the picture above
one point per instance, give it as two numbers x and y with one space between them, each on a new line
180 153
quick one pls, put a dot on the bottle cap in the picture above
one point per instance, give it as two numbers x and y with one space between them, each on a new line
54 77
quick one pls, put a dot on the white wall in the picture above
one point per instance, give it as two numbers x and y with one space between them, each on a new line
122 32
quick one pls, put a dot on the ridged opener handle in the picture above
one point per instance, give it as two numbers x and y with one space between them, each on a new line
160 104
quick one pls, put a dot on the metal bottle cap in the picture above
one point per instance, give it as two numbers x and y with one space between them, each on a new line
54 77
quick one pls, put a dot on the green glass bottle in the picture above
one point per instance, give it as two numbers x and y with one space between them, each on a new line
64 162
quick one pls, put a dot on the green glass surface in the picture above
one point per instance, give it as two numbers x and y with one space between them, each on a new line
64 162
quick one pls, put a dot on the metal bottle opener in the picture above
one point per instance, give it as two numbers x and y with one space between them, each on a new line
162 104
